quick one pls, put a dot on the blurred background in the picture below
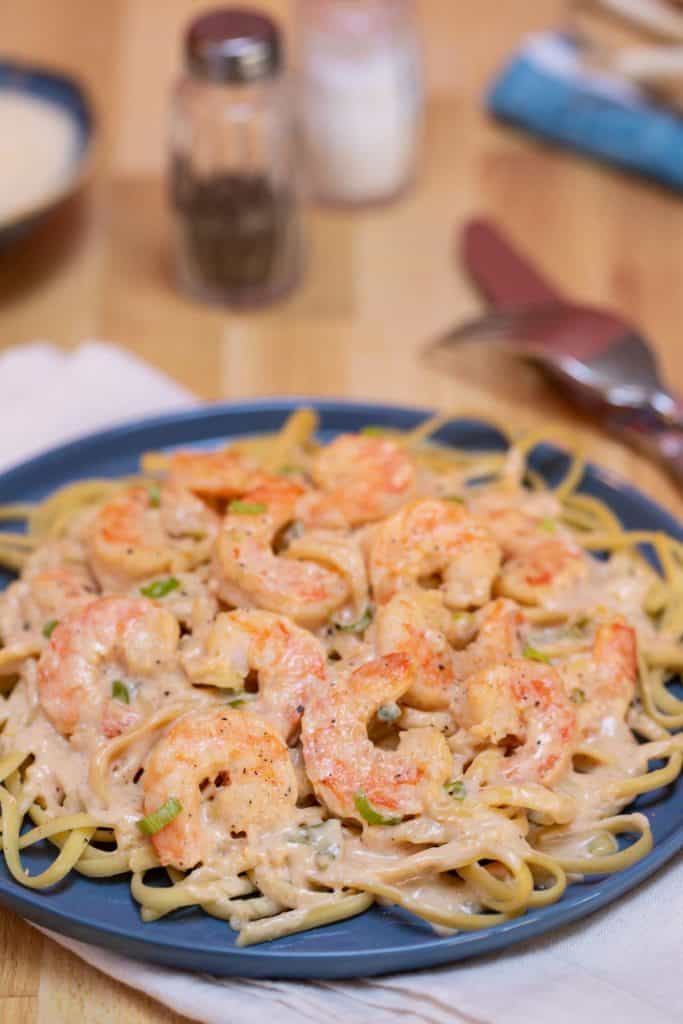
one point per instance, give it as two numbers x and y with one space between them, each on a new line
379 281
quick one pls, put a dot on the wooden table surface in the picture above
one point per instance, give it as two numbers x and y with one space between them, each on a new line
380 283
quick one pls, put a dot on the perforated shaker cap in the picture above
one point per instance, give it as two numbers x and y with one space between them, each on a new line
233 44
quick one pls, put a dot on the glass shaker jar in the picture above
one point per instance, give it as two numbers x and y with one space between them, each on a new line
233 162
361 97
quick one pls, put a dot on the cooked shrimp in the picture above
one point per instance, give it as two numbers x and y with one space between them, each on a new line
524 704
603 681
368 477
288 661
226 473
250 574
498 638
518 518
540 557
542 570
340 552
130 538
132 642
30 607
432 538
344 765
230 772
417 623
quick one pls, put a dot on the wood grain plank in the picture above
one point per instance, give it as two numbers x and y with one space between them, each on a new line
18 1009
20 953
71 990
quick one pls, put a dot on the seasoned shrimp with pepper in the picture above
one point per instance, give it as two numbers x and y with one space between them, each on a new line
222 772
522 706
108 665
257 650
541 559
368 477
250 573
434 542
602 681
144 532
352 776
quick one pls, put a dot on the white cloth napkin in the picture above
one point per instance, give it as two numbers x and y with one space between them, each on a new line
620 964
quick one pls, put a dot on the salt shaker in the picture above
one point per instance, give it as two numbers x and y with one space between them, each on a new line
233 171
360 97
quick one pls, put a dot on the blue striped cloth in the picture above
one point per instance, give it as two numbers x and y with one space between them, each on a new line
545 90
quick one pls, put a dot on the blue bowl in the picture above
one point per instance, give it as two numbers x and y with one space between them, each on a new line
102 911
65 93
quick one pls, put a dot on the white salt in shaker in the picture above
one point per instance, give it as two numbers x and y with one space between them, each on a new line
361 97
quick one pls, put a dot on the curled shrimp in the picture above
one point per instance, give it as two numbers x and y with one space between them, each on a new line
540 557
249 573
603 681
231 774
522 705
516 519
429 539
112 640
225 473
345 766
417 623
288 663
368 477
130 538
32 605
498 628
543 569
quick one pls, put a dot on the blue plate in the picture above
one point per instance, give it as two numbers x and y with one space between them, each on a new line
63 92
381 940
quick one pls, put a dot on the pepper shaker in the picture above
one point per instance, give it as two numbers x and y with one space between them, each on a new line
233 163
360 97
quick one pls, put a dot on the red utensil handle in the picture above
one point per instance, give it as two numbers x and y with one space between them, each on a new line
501 273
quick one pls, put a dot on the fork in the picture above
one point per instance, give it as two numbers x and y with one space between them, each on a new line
603 361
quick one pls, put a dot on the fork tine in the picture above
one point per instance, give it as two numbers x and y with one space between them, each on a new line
495 326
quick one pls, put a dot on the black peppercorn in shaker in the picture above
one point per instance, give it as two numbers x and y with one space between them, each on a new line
233 162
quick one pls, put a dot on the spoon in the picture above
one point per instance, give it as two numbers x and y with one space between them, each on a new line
602 361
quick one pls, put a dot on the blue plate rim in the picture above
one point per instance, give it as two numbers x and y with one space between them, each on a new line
415 955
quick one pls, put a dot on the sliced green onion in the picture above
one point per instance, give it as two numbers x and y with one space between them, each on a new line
601 846
577 696
160 588
302 834
374 430
119 691
369 814
548 525
49 627
360 625
535 655
389 712
154 495
287 470
454 497
247 508
461 616
163 816
239 697
456 788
